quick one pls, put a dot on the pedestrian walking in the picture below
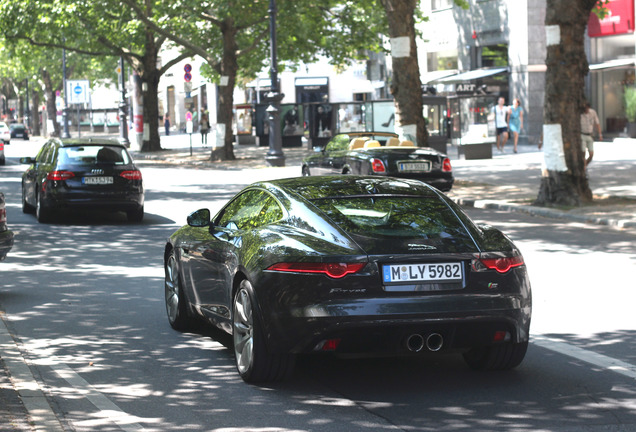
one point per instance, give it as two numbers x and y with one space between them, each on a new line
501 123
204 127
516 121
589 122
166 123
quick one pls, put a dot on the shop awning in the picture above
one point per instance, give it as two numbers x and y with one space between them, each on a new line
432 77
470 75
617 63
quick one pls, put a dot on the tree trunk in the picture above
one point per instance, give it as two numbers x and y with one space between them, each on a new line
35 114
150 76
51 109
406 85
228 70
151 109
564 181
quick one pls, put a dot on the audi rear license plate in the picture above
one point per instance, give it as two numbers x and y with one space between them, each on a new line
413 273
414 166
98 180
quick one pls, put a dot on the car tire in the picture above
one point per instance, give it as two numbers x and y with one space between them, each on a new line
253 360
496 357
305 171
136 215
177 308
26 207
42 213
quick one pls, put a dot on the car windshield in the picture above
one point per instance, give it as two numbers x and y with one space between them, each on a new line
93 154
394 216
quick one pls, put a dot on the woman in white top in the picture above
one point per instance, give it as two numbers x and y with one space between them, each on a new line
501 123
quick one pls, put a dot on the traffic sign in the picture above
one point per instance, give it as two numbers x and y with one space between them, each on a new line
187 68
187 76
78 91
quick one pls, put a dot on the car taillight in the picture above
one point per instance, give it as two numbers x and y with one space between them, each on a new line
377 166
501 264
59 175
131 175
446 165
333 270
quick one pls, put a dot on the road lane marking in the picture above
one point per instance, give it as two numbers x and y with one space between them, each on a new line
108 409
33 398
591 357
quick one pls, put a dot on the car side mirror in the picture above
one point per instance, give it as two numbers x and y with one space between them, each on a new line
27 160
199 218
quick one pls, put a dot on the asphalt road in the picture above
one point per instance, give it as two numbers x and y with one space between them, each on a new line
84 299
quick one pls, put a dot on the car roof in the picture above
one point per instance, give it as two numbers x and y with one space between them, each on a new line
73 142
321 187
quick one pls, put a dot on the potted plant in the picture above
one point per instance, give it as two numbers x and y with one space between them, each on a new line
630 110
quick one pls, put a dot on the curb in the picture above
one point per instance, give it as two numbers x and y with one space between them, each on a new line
545 212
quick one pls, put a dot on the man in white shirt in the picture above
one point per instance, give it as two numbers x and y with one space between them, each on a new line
501 123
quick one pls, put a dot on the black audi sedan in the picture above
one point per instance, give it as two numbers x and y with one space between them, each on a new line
382 154
19 130
82 173
349 265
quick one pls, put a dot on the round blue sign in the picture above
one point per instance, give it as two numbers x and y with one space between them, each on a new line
77 89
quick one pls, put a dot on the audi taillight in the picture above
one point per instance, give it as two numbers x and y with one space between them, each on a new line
131 175
333 270
59 175
446 165
501 264
377 166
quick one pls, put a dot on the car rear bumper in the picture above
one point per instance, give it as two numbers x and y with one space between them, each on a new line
107 201
383 324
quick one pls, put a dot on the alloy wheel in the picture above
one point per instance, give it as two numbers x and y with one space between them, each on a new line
243 323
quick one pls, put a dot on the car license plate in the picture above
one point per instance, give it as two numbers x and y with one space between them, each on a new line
420 166
98 180
408 273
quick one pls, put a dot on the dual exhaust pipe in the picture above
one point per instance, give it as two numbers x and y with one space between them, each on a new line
416 342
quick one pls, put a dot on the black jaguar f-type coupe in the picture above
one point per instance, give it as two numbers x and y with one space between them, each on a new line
351 265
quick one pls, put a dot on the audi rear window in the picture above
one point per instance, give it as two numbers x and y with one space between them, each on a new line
93 155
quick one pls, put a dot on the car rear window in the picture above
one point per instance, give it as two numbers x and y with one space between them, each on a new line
93 155
393 216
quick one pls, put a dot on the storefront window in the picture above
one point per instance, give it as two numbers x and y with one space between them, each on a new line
351 117
473 119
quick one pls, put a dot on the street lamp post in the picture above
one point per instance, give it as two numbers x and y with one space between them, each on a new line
27 112
275 156
123 106
65 133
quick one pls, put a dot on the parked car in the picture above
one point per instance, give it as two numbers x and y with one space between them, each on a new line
6 236
350 265
5 133
82 173
380 153
19 130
